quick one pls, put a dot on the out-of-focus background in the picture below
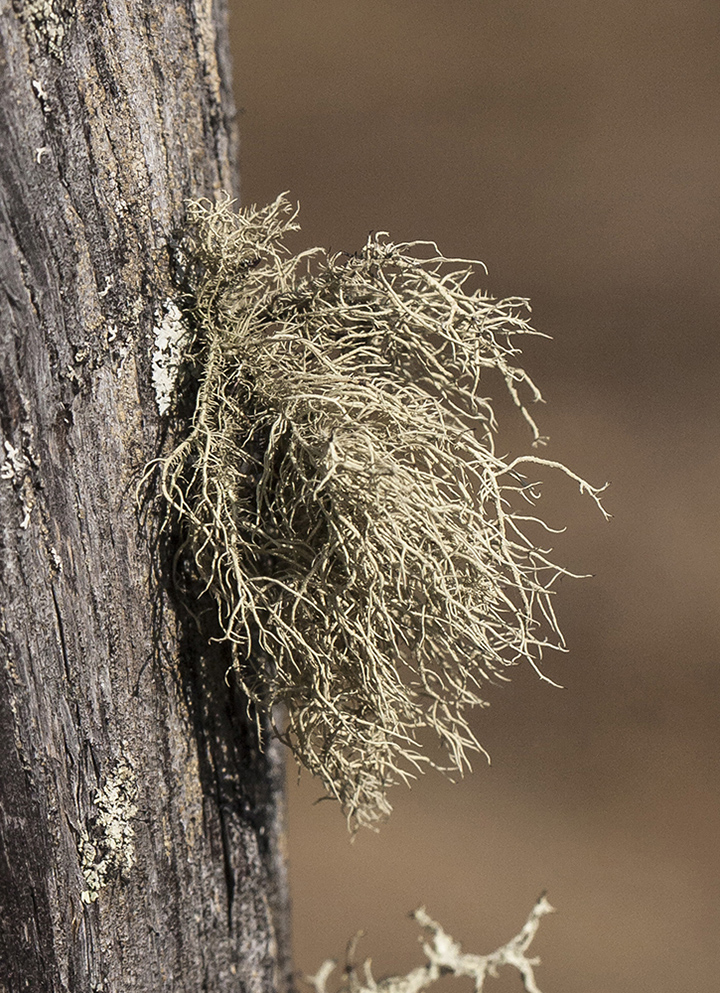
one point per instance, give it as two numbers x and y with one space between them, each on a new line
575 148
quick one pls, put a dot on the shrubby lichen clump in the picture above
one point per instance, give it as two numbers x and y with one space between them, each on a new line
340 496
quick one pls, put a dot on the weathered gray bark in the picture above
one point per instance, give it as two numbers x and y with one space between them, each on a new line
112 112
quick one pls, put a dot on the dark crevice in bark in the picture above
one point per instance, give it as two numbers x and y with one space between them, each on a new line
61 635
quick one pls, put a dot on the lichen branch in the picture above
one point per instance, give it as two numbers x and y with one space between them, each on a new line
445 957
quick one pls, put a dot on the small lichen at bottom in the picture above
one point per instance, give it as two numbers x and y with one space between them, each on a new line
107 847
445 957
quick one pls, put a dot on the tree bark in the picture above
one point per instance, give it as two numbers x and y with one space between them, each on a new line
140 822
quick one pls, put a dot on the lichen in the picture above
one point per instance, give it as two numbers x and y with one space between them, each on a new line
445 957
340 498
107 846
170 338
15 463
17 468
48 21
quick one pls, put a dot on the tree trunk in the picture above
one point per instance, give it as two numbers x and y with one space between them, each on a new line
140 833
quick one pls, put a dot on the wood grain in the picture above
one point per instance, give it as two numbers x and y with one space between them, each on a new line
111 115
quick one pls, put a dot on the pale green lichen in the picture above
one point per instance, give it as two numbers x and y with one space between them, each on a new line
445 957
340 497
48 21
107 846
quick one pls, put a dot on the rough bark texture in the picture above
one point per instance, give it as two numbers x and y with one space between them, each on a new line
128 769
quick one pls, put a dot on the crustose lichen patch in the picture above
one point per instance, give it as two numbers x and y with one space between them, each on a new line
107 847
170 338
339 493
48 21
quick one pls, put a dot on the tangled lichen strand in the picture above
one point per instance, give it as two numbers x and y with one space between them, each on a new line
339 493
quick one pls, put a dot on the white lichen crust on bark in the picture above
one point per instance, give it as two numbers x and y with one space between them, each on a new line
171 333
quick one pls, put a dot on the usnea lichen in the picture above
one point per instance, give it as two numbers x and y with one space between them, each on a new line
340 498
445 957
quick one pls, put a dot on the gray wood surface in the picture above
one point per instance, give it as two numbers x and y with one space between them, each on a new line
129 771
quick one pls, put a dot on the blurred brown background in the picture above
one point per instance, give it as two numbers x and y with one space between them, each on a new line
574 147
